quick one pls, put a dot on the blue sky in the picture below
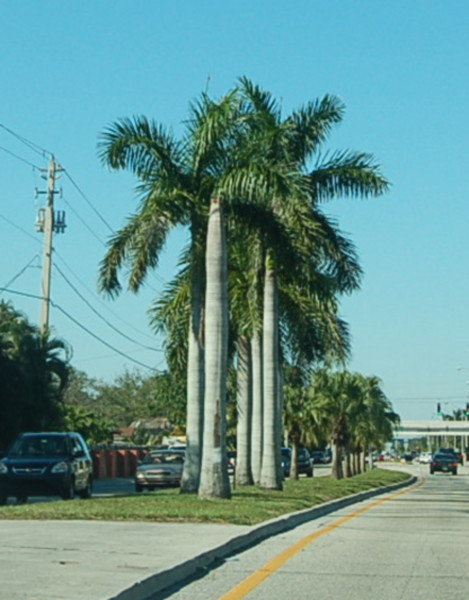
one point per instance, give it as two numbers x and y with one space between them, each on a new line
68 69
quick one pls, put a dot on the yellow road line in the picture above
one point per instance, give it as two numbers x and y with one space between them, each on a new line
242 589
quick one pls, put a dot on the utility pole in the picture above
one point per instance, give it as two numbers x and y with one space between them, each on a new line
48 222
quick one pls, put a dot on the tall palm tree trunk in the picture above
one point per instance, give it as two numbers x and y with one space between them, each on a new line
270 472
294 457
244 410
361 461
214 481
281 434
347 463
195 394
257 407
336 472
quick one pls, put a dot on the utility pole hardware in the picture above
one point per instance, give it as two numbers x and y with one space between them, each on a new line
48 222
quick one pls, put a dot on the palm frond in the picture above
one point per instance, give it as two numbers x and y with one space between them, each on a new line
354 174
137 245
141 146
310 126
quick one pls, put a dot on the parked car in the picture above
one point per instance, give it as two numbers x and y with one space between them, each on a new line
160 468
445 462
408 457
46 464
305 464
318 457
231 462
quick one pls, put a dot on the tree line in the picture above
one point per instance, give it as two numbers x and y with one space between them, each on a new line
41 390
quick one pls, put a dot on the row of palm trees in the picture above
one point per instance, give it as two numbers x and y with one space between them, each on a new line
263 268
356 414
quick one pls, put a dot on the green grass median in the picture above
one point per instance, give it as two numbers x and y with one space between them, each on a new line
248 505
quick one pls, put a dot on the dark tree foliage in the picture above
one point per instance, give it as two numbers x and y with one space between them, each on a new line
33 375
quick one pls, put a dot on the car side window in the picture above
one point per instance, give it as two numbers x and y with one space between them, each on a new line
76 446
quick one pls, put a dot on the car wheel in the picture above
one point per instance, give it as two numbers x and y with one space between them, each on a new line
455 472
138 487
21 499
86 493
68 493
431 471
309 473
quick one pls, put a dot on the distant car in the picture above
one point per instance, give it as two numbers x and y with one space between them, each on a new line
305 464
318 457
425 458
407 457
445 462
46 464
160 468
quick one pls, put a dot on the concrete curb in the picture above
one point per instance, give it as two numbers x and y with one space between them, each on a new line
147 588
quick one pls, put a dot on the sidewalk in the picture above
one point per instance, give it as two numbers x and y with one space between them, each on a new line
96 560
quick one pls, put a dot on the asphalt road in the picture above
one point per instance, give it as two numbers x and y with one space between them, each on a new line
410 546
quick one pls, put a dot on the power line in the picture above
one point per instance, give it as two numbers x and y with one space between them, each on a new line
90 204
69 316
101 317
19 158
83 222
31 145
43 152
71 270
104 305
20 229
7 285
442 398
137 362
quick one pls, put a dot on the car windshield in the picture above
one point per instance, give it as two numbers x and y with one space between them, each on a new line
35 446
158 458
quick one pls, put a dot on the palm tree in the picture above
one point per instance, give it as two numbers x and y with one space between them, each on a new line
177 180
298 416
333 395
288 145
377 422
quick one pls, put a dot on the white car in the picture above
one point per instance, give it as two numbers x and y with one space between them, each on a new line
425 458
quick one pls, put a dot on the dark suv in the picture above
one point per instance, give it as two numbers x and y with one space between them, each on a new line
445 461
46 464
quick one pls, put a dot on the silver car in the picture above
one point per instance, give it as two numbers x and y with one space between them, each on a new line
159 468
